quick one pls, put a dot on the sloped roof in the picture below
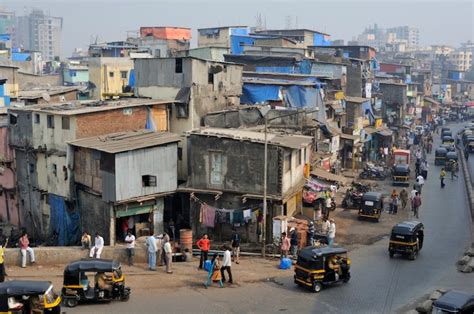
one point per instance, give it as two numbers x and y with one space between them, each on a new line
126 141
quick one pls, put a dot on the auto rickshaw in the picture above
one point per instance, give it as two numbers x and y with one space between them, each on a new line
318 266
401 156
447 140
406 239
109 282
470 143
449 147
446 131
401 174
451 157
25 296
371 206
440 156
454 302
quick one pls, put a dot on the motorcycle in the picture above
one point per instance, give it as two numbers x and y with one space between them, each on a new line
353 197
373 172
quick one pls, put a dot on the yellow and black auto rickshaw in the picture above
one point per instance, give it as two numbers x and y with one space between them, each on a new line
440 156
406 239
401 174
371 206
318 266
24 296
447 140
108 284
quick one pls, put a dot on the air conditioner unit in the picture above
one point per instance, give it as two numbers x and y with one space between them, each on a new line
324 146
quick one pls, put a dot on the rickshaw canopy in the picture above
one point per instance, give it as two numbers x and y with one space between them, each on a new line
452 156
92 265
17 288
453 301
314 254
401 156
407 227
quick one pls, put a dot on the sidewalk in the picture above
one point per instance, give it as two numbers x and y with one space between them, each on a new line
250 270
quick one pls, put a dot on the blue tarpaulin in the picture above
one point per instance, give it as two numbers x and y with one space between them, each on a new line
301 96
131 78
63 223
258 93
236 42
21 56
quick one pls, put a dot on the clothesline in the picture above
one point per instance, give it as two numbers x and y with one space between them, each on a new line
201 202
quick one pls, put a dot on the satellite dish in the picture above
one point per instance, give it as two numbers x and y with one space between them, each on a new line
46 97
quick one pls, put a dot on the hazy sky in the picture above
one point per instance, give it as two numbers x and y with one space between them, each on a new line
440 22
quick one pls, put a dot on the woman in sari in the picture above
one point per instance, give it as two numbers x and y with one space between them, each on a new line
214 274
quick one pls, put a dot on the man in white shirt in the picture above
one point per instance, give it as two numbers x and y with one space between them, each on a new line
98 246
226 264
130 240
331 232
325 226
168 254
412 197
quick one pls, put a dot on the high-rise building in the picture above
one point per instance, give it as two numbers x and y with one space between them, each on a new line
461 59
410 34
7 22
39 32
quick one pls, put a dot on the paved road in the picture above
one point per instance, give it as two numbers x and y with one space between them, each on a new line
378 285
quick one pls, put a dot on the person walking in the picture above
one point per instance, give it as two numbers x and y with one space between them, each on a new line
284 246
204 244
226 265
419 182
393 202
404 198
293 242
214 274
442 175
130 240
416 205
454 170
2 261
311 233
331 232
168 251
96 250
235 246
412 197
152 248
24 248
86 241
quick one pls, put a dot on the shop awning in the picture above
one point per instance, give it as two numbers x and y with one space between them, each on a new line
131 211
385 132
323 174
354 138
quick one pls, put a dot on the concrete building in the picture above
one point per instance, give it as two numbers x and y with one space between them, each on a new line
394 102
206 53
47 95
75 74
224 36
111 77
39 135
162 41
39 32
304 37
410 34
227 173
8 202
125 178
461 59
197 87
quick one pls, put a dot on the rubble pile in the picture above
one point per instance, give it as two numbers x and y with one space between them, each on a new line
466 263
427 305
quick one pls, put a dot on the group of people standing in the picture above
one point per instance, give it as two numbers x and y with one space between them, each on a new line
159 249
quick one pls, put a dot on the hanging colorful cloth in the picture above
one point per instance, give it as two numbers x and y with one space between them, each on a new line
209 216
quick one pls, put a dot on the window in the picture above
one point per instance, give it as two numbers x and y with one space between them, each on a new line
182 110
13 119
123 74
37 118
65 172
65 123
148 180
111 74
287 162
216 168
180 153
210 78
298 158
31 168
50 121
55 169
305 154
178 65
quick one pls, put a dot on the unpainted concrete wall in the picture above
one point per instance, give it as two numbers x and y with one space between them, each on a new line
95 214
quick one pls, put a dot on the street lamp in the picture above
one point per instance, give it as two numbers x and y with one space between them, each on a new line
264 111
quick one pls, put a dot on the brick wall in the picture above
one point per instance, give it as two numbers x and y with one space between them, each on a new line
99 123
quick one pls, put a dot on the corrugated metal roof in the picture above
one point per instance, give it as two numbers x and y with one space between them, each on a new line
290 141
51 91
126 141
356 99
88 106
